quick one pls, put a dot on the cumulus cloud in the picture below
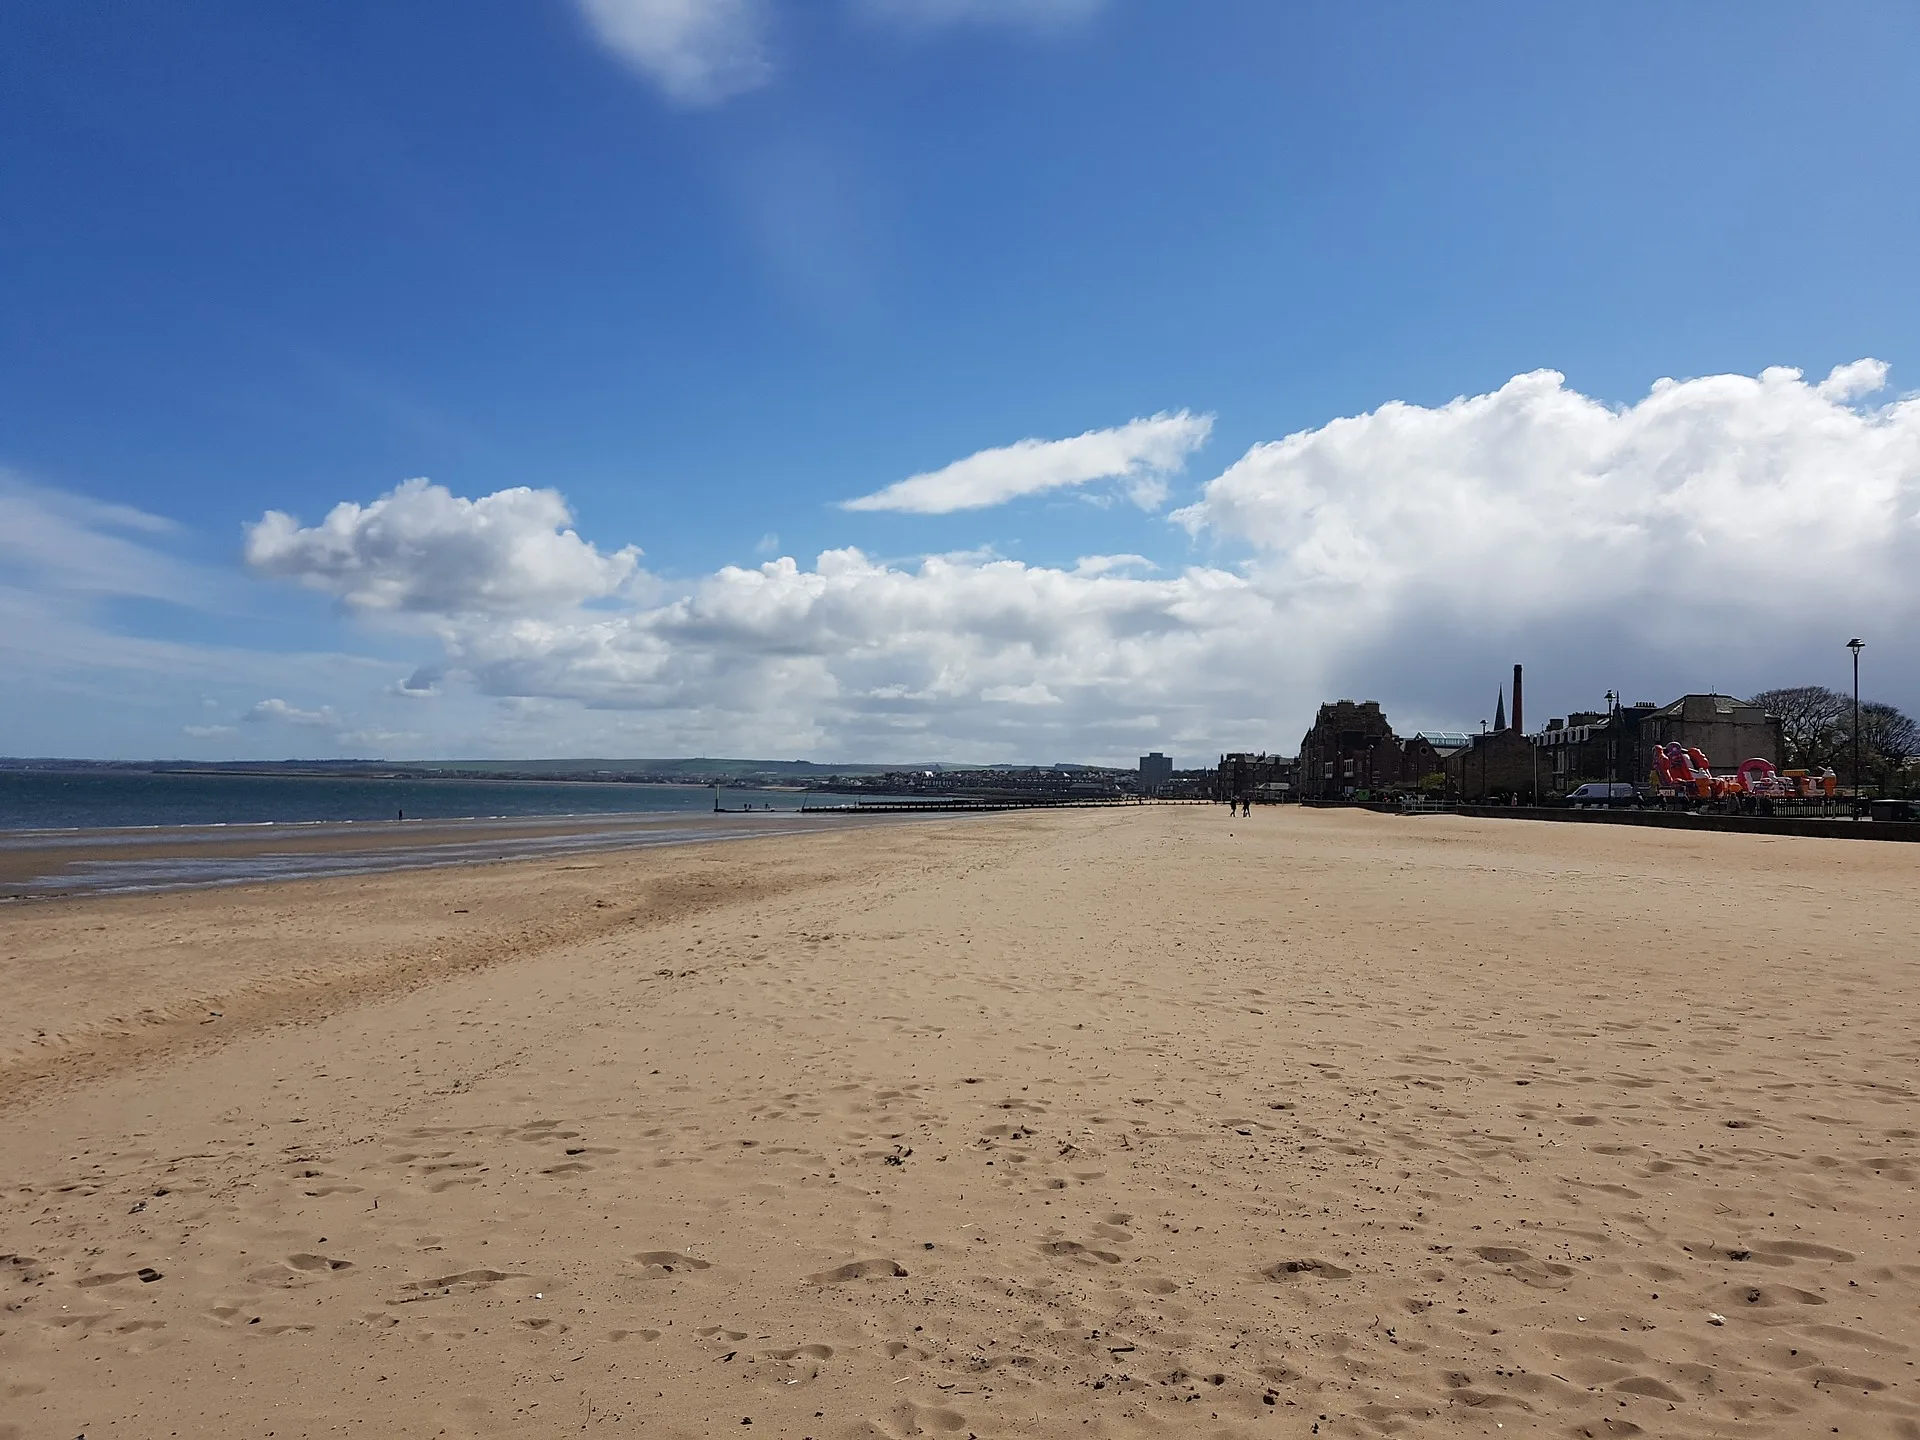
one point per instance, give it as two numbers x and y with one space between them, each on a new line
423 550
1725 532
277 709
208 732
698 52
1761 496
1141 454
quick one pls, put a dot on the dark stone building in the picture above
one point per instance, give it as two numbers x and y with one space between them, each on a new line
1421 759
1261 777
1593 745
1351 748
1499 765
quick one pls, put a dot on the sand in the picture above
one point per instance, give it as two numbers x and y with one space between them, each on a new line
1083 1124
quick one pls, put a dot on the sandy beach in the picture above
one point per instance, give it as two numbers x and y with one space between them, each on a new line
1073 1124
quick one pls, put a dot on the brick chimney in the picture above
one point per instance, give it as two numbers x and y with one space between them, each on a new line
1518 727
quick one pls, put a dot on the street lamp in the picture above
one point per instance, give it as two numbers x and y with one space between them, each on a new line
1856 645
1613 740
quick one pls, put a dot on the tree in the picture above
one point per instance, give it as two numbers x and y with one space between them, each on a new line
1814 722
1888 740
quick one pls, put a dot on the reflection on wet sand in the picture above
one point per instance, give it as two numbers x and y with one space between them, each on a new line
44 863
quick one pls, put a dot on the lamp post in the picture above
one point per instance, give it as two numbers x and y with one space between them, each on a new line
1613 740
1856 645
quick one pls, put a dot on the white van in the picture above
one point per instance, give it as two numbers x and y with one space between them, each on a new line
1603 792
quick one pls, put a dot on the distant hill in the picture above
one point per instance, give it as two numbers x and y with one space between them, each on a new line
553 769
795 769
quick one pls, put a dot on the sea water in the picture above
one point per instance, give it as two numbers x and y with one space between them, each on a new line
114 799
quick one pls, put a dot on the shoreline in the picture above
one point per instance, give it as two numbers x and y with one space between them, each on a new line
61 865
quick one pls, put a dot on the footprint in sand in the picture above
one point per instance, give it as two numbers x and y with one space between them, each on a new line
1790 1250
860 1270
915 1419
473 1279
1769 1295
1522 1266
811 1352
1292 1269
318 1263
1074 1250
23 1269
669 1261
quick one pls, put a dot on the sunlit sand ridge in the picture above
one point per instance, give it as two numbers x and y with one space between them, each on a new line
1074 1124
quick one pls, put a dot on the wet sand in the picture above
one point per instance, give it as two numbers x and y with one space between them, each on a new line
50 864
1084 1123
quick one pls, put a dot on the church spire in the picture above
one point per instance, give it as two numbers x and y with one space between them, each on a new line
1500 711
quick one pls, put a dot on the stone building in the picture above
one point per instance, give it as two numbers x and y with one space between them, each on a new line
1421 757
1594 745
1351 748
1499 765
1243 775
1726 730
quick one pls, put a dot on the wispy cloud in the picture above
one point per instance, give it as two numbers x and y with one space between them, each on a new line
1141 454
323 718
699 52
74 545
1023 14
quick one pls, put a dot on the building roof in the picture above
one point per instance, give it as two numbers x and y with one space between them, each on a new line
1445 739
1705 707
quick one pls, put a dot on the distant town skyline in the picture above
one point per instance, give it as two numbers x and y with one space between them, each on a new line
910 380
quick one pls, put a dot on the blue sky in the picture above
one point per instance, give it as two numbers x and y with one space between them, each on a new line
710 268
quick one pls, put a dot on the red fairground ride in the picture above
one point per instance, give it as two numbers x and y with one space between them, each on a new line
1683 771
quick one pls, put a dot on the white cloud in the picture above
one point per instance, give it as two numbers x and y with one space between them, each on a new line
1034 694
1024 14
209 732
420 549
1726 532
1767 497
1108 564
73 545
276 709
1141 454
699 52
1849 382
